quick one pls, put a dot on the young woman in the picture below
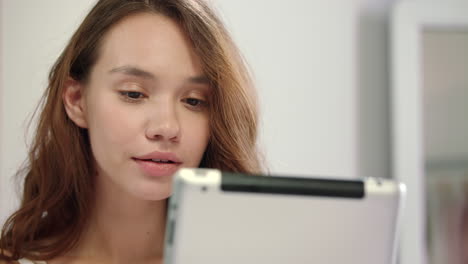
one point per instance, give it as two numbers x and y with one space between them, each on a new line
143 88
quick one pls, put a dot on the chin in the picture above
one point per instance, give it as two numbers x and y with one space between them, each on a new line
152 192
154 196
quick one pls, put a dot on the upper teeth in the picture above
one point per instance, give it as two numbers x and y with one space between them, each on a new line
159 160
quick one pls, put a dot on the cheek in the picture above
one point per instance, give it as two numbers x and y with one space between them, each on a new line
111 127
197 134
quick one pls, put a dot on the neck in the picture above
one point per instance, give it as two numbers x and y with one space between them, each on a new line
123 229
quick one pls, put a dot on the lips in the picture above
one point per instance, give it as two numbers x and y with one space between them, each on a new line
156 155
158 164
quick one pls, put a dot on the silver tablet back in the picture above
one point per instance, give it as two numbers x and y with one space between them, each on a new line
280 220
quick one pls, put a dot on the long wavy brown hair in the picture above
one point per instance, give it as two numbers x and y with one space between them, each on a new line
58 185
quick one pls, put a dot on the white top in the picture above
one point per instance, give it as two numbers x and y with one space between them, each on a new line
27 261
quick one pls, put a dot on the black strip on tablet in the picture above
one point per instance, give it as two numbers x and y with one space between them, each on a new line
236 182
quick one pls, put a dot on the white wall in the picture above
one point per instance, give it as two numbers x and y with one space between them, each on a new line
323 113
373 89
322 71
33 34
303 55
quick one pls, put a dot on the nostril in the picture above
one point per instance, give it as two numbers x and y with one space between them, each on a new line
155 137
163 131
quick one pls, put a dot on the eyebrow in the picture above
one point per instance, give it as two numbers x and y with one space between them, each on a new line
137 72
202 79
133 71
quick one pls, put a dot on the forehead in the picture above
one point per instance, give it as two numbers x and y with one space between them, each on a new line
149 41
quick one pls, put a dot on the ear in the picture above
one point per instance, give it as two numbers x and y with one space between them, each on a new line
74 102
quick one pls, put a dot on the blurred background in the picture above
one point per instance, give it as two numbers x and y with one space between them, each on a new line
325 73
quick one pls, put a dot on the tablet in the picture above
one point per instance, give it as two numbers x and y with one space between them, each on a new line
216 217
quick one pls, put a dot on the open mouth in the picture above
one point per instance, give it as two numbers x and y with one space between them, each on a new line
158 167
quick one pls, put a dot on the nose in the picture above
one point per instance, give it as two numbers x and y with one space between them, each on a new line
163 123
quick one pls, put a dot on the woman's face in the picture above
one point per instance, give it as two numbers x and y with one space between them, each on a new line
145 106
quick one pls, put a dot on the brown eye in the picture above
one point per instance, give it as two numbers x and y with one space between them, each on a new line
195 104
132 95
193 101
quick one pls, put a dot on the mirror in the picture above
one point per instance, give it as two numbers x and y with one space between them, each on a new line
429 108
445 122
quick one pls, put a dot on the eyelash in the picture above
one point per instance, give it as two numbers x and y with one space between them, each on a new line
127 97
199 103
